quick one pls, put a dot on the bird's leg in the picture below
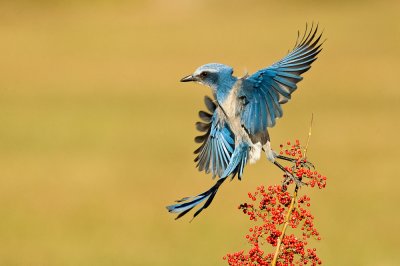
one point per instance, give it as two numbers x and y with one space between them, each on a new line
272 156
289 176
303 163
293 160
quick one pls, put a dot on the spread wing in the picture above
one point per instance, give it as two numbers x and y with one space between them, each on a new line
265 91
217 144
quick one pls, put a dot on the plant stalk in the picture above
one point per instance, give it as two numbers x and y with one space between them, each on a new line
285 225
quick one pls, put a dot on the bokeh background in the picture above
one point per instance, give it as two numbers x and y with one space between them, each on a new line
96 132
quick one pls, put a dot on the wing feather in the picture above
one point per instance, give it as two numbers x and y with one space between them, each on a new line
267 89
217 144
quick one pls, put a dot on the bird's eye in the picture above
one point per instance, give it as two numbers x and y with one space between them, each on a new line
203 74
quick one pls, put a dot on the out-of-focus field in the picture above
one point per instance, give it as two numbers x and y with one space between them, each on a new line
96 132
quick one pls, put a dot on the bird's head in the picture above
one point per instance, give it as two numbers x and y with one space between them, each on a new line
211 75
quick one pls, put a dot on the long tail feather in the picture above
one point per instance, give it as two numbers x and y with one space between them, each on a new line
235 166
187 204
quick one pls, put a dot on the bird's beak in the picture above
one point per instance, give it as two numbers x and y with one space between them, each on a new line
188 78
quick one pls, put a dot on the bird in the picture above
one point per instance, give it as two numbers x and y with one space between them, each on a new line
240 113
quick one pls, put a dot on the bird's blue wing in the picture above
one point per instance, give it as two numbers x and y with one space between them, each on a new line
264 91
217 144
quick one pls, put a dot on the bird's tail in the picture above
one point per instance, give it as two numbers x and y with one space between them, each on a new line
186 204
235 166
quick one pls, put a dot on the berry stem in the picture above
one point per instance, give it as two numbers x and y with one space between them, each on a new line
309 136
279 243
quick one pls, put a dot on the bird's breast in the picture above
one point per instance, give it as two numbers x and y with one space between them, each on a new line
231 104
232 107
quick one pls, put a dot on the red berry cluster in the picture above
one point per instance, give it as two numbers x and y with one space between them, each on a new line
269 208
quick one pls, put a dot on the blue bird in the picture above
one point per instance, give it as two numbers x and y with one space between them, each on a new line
239 116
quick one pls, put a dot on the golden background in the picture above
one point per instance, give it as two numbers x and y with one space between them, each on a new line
96 134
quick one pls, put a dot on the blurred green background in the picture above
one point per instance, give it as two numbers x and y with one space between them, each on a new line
96 133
